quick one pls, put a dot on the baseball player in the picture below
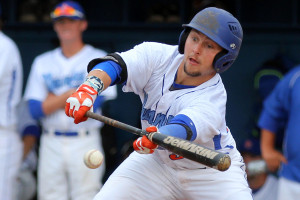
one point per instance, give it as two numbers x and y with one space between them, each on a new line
11 78
264 184
53 78
281 109
183 96
30 132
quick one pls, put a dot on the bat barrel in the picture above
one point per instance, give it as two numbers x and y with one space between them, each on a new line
192 151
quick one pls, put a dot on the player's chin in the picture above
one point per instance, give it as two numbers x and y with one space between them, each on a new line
66 37
192 72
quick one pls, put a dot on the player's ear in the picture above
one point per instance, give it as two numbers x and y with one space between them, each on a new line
54 27
84 25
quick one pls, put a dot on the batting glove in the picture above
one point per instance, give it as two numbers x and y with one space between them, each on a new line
80 102
83 99
143 145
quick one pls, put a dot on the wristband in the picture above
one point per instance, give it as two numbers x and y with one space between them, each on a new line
95 83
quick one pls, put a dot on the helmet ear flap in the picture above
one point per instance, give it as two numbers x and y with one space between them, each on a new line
182 38
222 61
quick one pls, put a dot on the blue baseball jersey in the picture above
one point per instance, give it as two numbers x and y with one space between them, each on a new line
282 107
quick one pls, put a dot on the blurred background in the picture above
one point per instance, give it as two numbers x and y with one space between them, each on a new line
271 28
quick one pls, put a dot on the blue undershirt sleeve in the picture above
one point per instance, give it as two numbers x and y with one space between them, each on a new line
175 130
32 130
112 69
180 126
35 109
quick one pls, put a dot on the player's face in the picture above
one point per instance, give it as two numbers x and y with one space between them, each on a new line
68 29
200 52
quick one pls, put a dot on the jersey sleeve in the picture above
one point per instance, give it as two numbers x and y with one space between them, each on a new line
26 124
11 80
142 62
204 118
4 57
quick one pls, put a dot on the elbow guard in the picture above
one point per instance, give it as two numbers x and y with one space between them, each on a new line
112 57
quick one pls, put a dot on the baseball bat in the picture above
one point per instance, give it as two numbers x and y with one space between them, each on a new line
181 147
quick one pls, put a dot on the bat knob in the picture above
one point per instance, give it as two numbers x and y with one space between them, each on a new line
224 163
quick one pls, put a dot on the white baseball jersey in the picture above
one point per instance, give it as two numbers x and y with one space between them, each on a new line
70 178
151 69
11 81
11 75
205 105
52 72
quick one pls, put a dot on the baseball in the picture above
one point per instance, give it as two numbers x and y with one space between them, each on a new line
93 158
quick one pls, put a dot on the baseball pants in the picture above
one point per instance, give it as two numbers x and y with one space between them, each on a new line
62 174
10 162
143 176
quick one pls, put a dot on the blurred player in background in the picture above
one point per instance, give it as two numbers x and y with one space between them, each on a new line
54 76
183 95
282 106
30 132
264 185
11 78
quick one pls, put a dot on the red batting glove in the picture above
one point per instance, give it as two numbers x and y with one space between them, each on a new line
80 102
143 145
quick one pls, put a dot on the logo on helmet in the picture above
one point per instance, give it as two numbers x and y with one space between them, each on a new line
232 46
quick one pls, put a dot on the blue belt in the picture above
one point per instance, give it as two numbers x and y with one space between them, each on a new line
58 133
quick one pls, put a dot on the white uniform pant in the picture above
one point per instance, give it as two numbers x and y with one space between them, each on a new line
62 174
143 176
288 190
11 150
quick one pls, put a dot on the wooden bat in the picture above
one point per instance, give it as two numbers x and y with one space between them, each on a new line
187 149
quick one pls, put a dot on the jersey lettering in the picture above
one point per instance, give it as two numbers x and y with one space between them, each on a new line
155 119
54 83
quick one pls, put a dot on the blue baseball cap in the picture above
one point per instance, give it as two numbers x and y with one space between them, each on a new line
68 9
251 145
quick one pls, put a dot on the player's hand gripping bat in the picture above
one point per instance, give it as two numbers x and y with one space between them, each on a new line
187 149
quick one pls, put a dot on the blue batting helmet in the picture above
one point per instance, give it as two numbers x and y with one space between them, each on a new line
221 27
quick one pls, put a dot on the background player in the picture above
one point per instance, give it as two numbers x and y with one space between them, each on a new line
11 77
182 94
264 184
54 76
281 109
30 132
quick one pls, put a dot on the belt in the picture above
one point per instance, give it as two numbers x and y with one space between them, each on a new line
67 134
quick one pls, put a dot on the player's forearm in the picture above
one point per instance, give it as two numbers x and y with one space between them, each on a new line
272 157
83 99
105 78
53 103
267 141
28 143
